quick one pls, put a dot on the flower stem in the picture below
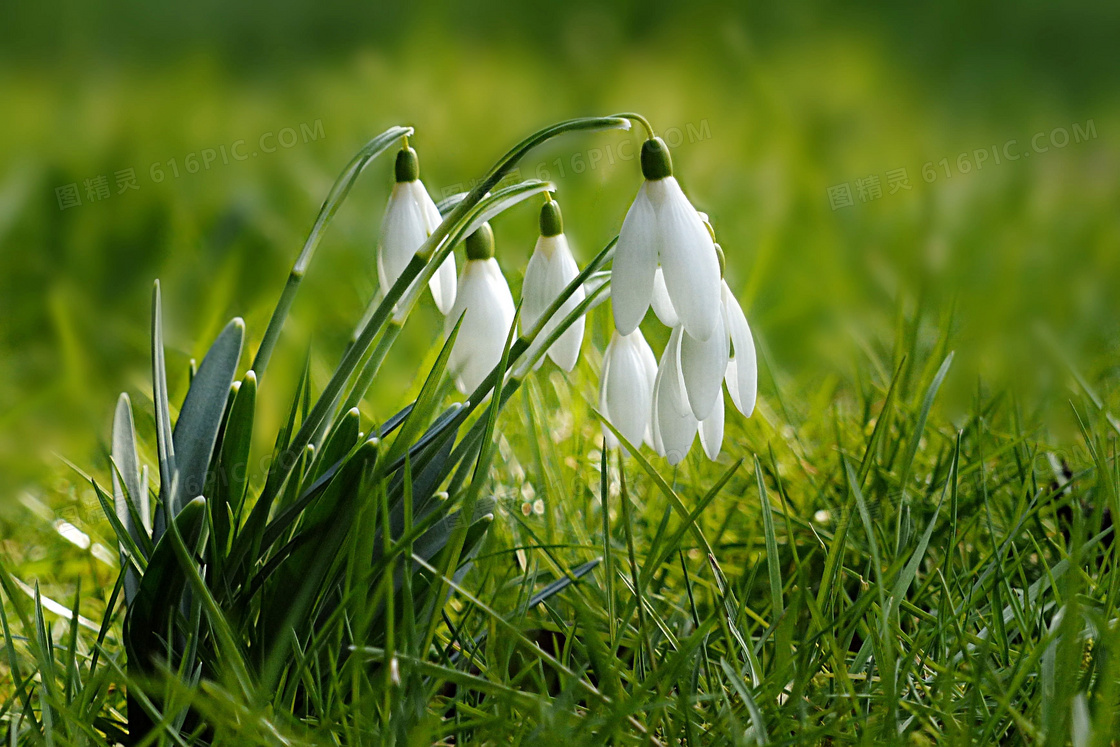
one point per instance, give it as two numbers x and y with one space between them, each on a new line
640 120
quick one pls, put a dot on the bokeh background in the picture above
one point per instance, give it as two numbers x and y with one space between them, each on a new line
201 138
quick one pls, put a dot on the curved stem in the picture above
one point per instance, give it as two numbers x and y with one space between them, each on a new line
640 120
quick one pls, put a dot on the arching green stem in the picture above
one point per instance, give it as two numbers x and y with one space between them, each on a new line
335 198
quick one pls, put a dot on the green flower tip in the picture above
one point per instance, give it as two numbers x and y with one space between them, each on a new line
408 165
552 222
656 162
722 259
480 244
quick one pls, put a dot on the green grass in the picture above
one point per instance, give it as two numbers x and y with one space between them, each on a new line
900 581
882 555
875 573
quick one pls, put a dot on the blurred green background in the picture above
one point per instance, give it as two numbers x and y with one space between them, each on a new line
791 124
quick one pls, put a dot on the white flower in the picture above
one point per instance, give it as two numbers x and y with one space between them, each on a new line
486 306
410 218
551 268
687 395
663 228
626 387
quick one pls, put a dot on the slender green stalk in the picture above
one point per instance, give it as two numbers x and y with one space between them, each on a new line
635 576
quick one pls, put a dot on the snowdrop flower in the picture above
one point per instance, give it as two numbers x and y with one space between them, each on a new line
662 228
410 218
551 268
688 397
626 387
484 302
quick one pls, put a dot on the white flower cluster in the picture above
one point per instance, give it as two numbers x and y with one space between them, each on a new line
666 257
482 296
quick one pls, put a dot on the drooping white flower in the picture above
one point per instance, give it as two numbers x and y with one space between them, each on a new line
485 303
551 268
410 218
685 380
663 228
626 387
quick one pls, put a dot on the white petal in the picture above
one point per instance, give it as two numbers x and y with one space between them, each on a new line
431 212
742 368
403 230
442 285
565 351
662 306
653 433
486 305
688 258
711 430
535 286
676 426
625 391
703 365
649 368
551 268
635 262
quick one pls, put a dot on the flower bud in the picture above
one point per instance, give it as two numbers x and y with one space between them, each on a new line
552 222
656 162
480 244
408 165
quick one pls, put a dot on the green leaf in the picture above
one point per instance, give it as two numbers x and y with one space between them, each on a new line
161 586
129 497
772 562
165 446
234 459
426 401
339 443
200 418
